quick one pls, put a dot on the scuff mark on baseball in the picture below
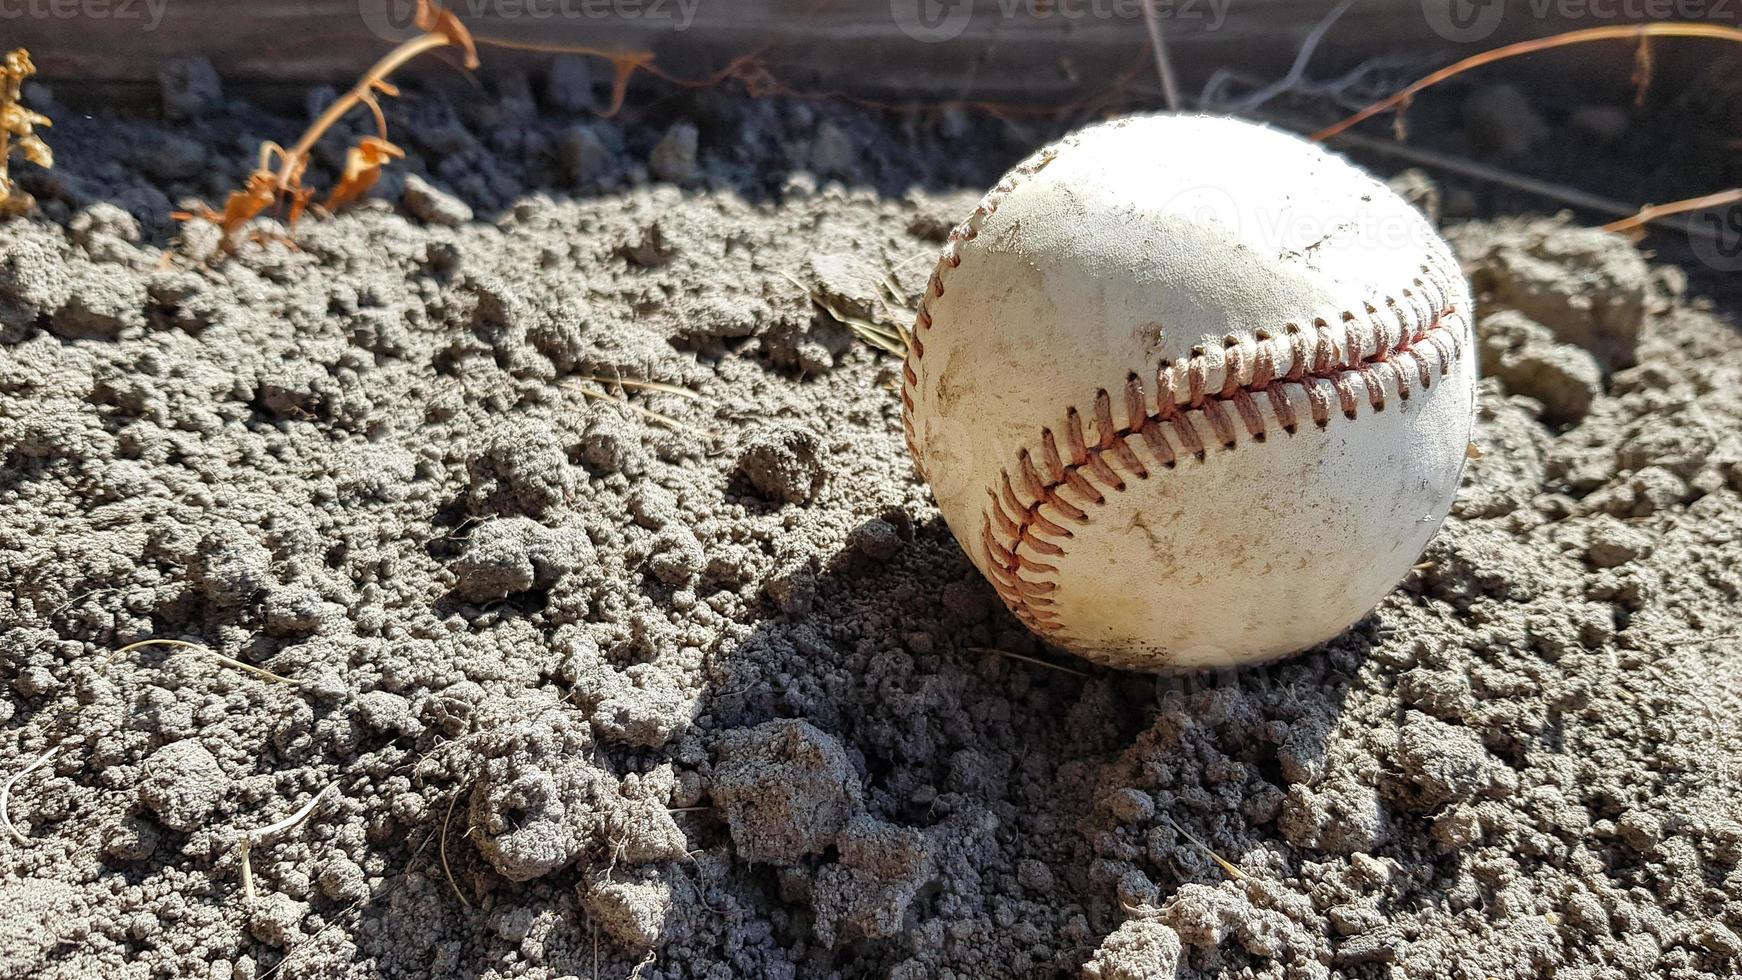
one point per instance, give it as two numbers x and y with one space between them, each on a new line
1191 392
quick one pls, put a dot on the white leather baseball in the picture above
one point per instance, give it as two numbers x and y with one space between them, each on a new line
1191 392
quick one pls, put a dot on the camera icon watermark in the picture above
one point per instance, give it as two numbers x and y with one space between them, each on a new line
1721 246
931 21
1463 21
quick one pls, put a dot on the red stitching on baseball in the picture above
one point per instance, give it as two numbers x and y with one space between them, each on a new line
1326 375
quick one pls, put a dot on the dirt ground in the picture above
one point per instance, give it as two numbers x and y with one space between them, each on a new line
589 678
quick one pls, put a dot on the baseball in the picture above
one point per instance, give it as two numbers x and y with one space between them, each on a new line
1191 392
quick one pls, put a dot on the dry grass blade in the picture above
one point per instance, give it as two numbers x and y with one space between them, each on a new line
6 793
1227 868
1061 668
259 672
442 846
662 387
262 834
599 394
890 340
18 124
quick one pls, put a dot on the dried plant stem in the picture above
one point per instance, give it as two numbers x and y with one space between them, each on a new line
277 179
599 394
259 672
442 846
1061 668
6 793
1227 868
295 160
639 385
1628 32
262 834
1653 212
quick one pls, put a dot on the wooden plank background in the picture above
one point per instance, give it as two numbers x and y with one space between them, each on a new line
1037 51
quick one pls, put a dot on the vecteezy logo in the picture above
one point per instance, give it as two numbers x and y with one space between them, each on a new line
931 21
1463 21
1207 204
1721 244
390 20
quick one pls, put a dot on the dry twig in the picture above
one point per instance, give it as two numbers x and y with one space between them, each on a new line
1640 33
277 180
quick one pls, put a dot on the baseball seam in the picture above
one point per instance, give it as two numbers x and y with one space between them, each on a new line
1199 417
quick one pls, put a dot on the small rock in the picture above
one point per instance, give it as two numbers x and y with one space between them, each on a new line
276 920
630 904
1140 949
784 461
105 300
102 220
384 711
1720 939
523 468
610 444
568 85
33 282
1610 543
832 151
585 155
640 705
676 557
877 540
189 88
182 785
848 281
1447 762
1501 121
517 554
1680 443
674 157
133 839
424 201
1132 806
1639 829
786 789
1588 287
168 156
1528 361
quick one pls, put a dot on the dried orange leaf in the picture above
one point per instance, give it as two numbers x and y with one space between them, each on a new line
432 19
36 151
363 164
